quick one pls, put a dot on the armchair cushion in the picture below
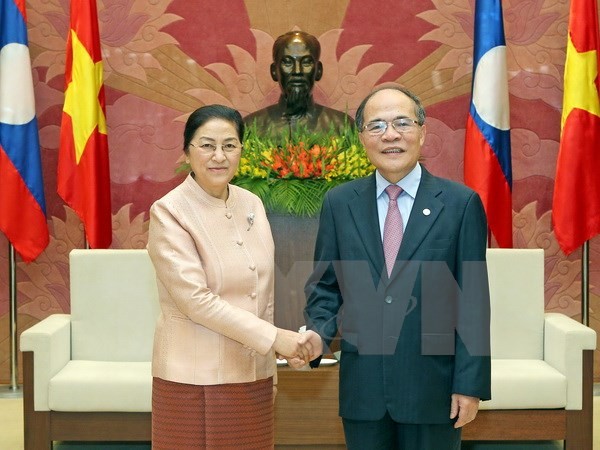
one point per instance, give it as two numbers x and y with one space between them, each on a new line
526 384
102 386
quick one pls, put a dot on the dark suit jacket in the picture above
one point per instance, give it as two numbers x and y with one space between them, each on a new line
411 340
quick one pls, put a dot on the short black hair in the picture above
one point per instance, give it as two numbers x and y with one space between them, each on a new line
206 113
419 109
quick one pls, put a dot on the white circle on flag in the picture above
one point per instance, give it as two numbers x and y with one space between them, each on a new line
17 105
490 88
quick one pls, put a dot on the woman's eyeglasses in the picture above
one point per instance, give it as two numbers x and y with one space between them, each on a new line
207 148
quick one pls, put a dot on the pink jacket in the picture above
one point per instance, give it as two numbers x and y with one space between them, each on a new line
214 263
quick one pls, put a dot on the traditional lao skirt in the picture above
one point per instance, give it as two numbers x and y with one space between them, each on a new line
224 416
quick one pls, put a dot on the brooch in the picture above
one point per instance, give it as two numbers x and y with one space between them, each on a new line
250 220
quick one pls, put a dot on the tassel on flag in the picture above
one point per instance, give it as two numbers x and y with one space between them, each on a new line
488 166
83 166
22 201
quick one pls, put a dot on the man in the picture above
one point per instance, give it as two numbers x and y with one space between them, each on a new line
296 67
413 322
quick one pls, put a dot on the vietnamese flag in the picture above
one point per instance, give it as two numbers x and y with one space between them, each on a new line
83 167
576 203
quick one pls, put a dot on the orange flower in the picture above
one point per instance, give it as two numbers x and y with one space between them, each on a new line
298 161
316 151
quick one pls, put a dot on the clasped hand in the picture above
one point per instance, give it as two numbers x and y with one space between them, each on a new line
298 348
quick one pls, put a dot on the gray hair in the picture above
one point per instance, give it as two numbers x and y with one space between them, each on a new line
419 109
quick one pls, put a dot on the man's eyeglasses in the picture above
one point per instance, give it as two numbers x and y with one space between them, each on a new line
402 125
207 148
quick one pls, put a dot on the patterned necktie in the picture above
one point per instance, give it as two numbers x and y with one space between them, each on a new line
392 229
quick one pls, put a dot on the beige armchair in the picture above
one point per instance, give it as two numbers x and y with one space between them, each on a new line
542 363
86 375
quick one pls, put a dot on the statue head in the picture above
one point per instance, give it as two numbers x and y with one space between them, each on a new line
296 67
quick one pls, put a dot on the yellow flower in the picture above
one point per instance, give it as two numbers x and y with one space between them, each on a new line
259 173
267 155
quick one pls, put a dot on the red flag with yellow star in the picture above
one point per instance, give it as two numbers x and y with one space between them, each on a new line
83 167
576 203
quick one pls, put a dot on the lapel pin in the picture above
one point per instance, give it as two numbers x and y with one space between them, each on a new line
426 211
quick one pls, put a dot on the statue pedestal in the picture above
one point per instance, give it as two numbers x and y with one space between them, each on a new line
294 247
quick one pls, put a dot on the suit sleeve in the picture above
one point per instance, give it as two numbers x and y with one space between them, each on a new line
472 373
323 297
179 268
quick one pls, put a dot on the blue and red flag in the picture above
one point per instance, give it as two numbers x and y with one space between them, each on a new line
488 166
22 203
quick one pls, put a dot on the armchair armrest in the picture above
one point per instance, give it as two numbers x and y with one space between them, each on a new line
50 342
564 342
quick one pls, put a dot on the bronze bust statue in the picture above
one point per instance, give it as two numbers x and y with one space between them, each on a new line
296 67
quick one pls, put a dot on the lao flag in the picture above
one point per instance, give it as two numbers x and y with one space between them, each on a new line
488 167
22 203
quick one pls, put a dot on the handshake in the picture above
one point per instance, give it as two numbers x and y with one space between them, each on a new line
298 348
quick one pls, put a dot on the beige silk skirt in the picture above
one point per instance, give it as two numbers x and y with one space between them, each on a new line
225 416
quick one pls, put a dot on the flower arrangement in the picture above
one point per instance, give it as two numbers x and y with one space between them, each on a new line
291 174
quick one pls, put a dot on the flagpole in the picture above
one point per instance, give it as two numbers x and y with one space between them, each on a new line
13 389
585 284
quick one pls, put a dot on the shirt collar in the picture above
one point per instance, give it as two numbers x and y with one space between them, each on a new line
409 184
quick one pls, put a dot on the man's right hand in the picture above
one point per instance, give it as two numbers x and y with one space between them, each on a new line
289 344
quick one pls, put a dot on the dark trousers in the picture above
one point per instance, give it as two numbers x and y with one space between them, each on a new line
385 434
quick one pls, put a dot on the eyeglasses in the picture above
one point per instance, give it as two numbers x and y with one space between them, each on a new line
402 125
206 148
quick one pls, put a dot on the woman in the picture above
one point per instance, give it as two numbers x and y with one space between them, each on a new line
215 342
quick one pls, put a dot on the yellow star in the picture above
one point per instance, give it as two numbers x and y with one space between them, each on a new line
81 96
581 71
